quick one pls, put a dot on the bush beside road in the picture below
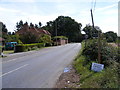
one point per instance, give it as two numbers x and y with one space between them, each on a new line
86 78
28 47
108 78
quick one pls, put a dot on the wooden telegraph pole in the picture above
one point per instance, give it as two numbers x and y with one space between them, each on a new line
99 47
92 22
56 32
92 18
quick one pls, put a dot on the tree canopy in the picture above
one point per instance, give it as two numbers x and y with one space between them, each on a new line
90 31
65 26
110 36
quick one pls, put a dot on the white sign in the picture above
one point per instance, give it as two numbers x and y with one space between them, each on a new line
97 67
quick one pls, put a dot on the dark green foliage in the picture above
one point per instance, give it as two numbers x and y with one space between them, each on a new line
40 24
36 26
88 29
28 38
31 25
107 78
20 48
45 39
28 47
19 25
108 52
65 26
4 29
110 36
62 37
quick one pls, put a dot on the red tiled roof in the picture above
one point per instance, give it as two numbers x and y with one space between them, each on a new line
44 31
38 31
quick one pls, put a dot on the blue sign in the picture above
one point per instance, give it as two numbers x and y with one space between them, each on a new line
97 67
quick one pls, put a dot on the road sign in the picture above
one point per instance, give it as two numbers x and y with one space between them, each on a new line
97 67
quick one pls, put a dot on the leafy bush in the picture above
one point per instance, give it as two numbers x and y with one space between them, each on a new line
108 52
28 38
107 78
20 48
45 39
28 47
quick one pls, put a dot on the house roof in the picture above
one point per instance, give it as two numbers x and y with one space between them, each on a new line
36 31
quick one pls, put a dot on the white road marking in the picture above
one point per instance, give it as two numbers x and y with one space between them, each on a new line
13 70
10 60
21 57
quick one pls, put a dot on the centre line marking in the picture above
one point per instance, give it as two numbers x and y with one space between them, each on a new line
9 61
13 70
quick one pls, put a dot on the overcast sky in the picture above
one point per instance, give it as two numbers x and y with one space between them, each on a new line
105 13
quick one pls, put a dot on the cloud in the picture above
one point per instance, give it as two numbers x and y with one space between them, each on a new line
18 1
8 10
44 12
106 8
57 1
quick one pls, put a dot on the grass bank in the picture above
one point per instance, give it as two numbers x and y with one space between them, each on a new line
108 78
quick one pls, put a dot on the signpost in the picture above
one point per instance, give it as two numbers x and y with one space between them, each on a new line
97 67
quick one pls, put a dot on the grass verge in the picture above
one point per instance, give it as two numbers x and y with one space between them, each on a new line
8 51
108 78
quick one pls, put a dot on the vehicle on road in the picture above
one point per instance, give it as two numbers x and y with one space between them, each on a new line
10 45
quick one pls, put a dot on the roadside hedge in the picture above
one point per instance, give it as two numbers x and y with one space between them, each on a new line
28 47
108 52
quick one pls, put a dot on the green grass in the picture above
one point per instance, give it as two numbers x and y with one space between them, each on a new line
108 78
8 51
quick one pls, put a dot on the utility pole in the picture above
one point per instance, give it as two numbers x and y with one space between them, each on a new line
99 47
92 22
92 18
56 31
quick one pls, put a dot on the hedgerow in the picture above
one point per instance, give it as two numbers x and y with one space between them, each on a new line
28 47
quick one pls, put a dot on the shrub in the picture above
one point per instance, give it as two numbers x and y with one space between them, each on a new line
107 78
20 48
34 48
108 52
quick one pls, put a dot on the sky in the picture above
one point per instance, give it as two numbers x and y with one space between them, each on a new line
105 13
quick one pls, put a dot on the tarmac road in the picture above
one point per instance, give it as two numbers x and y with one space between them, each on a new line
37 69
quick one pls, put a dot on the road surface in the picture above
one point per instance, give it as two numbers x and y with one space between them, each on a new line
37 69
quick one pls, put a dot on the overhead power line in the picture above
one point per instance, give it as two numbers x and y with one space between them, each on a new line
93 5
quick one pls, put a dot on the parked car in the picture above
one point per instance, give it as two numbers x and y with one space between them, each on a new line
10 45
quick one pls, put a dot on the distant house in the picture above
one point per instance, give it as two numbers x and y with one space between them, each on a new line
60 40
37 31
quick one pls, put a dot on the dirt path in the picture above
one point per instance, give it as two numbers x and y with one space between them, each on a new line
68 79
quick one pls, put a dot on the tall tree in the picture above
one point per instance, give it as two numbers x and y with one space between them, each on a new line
19 25
110 36
36 26
90 31
65 26
4 29
40 24
31 25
